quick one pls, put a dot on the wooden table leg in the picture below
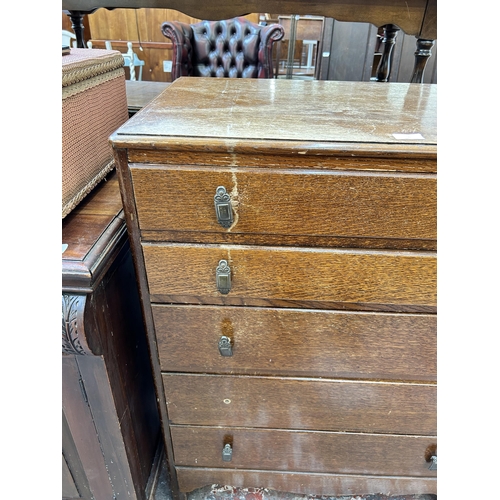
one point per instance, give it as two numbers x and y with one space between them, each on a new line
76 17
383 73
422 55
291 46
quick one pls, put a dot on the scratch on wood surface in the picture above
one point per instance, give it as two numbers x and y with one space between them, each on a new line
227 248
234 156
234 200
408 9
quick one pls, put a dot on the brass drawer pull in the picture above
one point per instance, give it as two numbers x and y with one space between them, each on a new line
223 209
434 463
227 453
225 347
223 277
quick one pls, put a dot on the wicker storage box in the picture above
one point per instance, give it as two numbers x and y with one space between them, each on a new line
94 105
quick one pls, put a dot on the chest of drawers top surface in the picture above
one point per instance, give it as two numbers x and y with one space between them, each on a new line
217 110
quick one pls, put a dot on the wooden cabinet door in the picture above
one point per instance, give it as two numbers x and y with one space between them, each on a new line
74 480
84 470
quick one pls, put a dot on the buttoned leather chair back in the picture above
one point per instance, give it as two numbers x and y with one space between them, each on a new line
232 48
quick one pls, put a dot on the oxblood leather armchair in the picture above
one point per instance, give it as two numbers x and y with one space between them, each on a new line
234 48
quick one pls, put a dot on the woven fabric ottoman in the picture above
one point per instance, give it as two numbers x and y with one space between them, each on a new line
94 105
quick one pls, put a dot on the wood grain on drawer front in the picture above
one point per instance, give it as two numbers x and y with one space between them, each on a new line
299 451
299 403
397 281
297 342
191 478
288 155
316 203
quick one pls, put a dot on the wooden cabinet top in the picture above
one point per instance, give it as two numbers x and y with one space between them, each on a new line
93 232
318 116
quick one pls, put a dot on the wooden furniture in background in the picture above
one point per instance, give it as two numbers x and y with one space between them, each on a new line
352 52
309 30
286 260
139 94
415 17
111 427
78 23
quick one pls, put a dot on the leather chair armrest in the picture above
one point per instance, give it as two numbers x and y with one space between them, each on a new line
181 36
268 35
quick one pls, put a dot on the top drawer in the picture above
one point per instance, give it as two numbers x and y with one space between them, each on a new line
298 204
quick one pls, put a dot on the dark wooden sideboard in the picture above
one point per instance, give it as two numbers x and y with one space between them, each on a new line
414 17
110 429
286 259
141 93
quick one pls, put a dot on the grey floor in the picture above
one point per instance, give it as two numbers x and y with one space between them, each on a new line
162 489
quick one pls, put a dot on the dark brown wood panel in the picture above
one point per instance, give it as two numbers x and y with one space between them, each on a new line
429 25
296 451
82 434
297 342
74 480
371 279
119 460
408 15
103 324
352 50
281 202
128 369
191 478
314 404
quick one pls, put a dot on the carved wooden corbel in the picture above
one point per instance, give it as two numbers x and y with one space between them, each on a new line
73 331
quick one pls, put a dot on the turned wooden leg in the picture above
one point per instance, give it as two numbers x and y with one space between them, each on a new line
77 24
291 46
383 73
278 55
422 55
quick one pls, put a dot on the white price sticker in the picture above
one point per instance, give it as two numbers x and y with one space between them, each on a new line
408 137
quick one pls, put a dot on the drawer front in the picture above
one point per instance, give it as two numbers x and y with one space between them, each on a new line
265 341
303 451
284 202
191 478
287 403
394 281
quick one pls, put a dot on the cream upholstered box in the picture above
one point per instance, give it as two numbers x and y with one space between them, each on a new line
94 105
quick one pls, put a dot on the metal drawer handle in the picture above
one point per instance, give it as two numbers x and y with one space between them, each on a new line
223 277
223 209
227 453
225 347
434 463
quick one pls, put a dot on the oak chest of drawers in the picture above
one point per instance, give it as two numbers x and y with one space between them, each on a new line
284 235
